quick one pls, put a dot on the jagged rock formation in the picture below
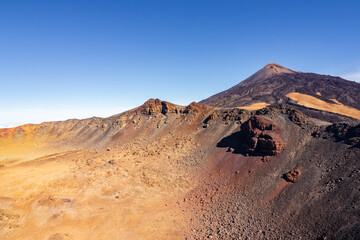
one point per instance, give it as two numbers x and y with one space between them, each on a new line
155 106
152 106
293 175
262 137
195 108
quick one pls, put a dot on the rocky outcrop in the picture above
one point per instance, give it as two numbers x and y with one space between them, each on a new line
261 137
296 116
153 106
345 133
211 117
233 115
195 108
168 108
156 106
292 176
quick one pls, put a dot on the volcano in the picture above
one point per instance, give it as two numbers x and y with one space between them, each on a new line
321 96
274 157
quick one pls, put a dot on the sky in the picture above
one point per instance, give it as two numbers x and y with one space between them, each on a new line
65 59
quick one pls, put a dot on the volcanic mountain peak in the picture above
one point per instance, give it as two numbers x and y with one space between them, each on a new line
269 70
312 93
277 68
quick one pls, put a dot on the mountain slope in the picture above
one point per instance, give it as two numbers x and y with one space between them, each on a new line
163 171
273 83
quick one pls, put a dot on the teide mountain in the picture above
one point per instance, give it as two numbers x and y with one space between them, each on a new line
321 96
164 171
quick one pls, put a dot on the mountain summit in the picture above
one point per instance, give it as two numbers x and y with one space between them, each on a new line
277 68
269 70
321 96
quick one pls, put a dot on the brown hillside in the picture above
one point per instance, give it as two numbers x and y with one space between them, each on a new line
163 171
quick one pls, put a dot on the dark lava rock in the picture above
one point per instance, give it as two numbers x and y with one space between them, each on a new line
346 133
292 176
257 137
296 116
262 137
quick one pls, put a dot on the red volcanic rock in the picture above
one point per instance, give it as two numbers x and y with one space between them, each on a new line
152 106
168 107
194 108
155 106
263 137
293 175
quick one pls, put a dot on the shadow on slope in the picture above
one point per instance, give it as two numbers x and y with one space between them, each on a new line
235 143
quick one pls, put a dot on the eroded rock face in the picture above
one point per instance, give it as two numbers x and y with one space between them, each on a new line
262 137
156 106
152 106
194 108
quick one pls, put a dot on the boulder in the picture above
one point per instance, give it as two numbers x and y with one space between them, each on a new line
261 137
296 116
292 176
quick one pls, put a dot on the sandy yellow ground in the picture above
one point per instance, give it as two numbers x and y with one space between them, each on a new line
313 102
255 106
122 193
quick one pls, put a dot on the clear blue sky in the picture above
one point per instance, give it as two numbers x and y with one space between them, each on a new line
61 59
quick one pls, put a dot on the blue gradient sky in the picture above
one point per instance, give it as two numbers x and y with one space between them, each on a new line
64 59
